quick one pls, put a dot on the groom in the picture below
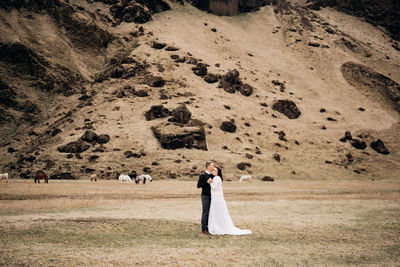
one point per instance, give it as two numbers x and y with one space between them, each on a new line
205 195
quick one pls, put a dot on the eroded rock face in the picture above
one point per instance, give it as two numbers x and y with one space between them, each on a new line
26 63
353 46
384 13
74 147
175 137
367 80
10 99
84 33
184 132
288 108
8 96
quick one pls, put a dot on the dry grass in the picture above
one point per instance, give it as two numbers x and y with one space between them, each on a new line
106 223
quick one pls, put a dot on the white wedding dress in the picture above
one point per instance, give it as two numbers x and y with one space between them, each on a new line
219 221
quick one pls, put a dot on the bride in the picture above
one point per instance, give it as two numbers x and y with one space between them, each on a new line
219 221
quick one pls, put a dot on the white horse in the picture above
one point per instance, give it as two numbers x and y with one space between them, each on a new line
246 177
93 177
144 178
4 176
124 177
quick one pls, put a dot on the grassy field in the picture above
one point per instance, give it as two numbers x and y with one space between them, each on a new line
106 223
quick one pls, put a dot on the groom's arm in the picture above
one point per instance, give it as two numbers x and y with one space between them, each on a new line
202 181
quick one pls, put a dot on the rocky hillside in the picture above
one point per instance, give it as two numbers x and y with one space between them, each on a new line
291 90
384 13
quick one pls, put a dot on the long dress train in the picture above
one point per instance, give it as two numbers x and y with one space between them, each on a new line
219 221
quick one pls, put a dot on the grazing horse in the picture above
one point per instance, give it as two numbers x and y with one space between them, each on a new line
124 177
246 177
144 178
41 175
93 177
4 176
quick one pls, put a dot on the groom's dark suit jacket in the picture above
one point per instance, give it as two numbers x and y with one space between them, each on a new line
202 183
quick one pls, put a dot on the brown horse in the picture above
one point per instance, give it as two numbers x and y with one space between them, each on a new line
4 176
41 175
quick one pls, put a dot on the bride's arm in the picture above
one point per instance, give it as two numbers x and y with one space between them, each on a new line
216 183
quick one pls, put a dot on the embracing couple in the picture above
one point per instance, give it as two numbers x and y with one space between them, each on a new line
215 218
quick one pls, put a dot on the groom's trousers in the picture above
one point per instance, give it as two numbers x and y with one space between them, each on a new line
205 201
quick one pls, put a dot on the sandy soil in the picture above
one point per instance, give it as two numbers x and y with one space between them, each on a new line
306 217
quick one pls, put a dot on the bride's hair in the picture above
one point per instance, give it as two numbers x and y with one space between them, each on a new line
220 173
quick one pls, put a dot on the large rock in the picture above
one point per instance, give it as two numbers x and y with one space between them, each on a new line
243 165
379 147
347 136
359 144
92 137
200 69
135 11
211 78
246 89
157 45
103 138
174 137
230 81
74 147
267 179
154 81
228 126
89 136
181 115
156 112
288 108
121 67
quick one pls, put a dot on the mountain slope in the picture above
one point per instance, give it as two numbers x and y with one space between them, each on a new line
284 52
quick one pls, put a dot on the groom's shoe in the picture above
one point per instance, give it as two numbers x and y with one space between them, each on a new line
206 232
